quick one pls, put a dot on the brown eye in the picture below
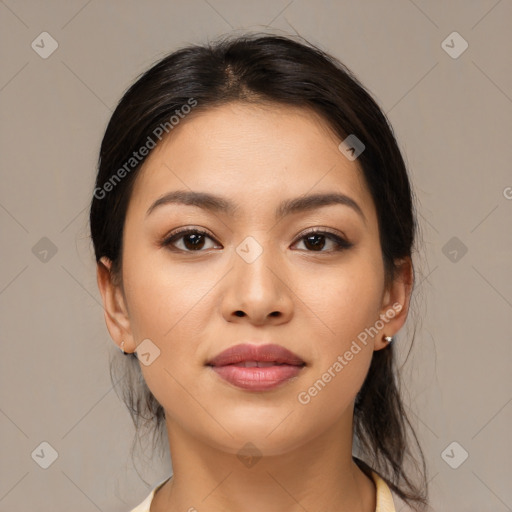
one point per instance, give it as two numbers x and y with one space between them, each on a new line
193 240
315 241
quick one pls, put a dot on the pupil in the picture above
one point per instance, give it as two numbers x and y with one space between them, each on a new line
316 244
196 241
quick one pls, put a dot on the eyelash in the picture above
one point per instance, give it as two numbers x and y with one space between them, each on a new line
341 243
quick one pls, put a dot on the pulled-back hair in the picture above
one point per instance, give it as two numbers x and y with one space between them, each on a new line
263 68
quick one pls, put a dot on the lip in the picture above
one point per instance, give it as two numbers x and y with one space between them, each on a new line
229 365
251 352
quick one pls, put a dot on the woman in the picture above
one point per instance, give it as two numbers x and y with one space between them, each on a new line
253 226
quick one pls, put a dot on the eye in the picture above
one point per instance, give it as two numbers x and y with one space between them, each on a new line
315 239
193 240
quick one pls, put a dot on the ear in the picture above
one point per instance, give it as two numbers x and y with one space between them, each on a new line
395 302
114 306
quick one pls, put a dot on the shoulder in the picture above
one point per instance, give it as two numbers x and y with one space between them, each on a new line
388 500
146 504
384 497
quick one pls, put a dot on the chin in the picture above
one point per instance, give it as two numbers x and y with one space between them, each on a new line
260 438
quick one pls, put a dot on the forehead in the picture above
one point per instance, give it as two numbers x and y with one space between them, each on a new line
254 153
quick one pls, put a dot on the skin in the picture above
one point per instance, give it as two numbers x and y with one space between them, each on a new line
186 303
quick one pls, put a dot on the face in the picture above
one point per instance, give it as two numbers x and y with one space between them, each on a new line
252 276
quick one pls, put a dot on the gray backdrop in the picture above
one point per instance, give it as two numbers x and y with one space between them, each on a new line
441 72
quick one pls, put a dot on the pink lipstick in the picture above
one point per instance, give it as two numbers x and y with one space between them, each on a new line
257 367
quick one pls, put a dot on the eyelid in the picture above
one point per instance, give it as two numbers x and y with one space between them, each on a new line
322 230
338 237
167 239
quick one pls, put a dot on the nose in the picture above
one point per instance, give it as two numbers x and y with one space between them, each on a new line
258 292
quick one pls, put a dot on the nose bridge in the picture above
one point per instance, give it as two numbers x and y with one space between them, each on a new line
257 262
256 287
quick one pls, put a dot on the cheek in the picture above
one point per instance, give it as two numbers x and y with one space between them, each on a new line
168 306
164 307
342 353
162 300
344 304
342 301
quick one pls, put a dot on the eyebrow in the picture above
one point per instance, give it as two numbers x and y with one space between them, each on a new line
214 203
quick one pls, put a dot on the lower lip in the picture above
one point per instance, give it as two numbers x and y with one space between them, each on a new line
257 378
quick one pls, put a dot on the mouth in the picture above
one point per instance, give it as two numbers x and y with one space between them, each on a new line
259 364
251 353
257 367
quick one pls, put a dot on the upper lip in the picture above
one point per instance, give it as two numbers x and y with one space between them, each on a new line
251 352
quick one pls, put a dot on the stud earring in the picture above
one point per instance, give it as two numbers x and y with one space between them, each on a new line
388 339
122 348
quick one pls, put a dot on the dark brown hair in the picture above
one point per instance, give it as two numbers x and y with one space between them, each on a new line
263 68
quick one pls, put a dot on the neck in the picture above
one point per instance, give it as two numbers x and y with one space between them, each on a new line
320 474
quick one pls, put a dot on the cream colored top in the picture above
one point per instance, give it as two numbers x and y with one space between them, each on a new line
384 497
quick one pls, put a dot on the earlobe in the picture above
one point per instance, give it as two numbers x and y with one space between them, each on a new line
395 303
114 307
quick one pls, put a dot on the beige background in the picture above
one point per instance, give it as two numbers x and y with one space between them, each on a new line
453 119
